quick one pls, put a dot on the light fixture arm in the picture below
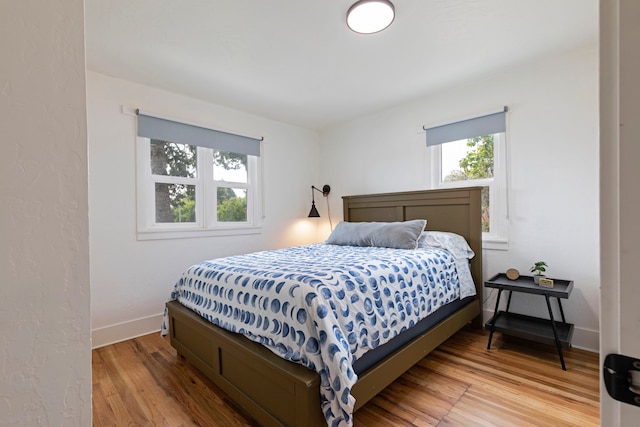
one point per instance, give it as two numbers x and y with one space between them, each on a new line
325 190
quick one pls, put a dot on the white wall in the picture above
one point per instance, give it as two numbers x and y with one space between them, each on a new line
553 161
45 349
130 279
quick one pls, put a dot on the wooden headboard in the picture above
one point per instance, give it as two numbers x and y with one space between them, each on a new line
457 210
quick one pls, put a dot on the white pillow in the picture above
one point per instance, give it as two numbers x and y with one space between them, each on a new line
461 252
454 243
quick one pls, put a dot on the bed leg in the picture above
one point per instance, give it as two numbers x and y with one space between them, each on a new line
476 323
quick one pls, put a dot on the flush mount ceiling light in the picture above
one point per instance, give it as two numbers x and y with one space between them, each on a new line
370 16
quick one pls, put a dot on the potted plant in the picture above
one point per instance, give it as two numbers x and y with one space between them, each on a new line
537 270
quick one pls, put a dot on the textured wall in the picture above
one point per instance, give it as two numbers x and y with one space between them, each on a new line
45 358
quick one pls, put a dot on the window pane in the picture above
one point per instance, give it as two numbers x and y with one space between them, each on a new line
173 159
486 211
467 159
232 204
175 203
230 167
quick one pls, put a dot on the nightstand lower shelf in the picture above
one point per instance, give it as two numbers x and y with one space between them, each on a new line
531 328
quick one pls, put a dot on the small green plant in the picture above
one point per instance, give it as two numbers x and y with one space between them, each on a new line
539 268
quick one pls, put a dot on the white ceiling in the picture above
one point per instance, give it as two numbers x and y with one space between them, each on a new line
295 61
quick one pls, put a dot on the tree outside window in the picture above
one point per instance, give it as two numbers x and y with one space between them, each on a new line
475 161
175 167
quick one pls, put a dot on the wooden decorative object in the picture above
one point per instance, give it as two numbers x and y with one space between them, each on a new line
513 274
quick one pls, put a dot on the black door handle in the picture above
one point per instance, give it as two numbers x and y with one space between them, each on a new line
622 378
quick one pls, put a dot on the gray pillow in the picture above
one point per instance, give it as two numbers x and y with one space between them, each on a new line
398 235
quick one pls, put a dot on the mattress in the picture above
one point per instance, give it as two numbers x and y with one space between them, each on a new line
372 357
323 306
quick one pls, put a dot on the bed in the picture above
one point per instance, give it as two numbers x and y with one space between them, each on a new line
276 391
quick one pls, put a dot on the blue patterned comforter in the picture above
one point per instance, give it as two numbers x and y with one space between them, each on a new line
321 305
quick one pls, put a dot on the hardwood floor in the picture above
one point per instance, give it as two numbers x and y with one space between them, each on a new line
141 382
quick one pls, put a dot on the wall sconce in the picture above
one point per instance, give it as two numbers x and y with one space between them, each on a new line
313 213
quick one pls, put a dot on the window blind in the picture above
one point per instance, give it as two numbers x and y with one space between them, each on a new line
169 130
477 126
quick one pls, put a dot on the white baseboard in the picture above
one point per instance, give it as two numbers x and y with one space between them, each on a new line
112 334
584 339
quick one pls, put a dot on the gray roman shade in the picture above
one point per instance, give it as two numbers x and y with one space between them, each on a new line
168 130
469 128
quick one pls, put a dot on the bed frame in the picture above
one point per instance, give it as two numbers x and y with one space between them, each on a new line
276 392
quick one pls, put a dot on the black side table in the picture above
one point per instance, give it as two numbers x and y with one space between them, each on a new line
529 327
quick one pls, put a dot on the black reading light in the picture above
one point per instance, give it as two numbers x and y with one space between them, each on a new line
313 213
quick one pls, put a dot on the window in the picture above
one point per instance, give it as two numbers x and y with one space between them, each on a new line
464 158
189 189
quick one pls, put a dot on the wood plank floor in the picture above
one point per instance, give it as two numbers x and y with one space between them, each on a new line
142 382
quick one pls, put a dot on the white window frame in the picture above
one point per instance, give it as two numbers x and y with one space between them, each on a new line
497 237
206 224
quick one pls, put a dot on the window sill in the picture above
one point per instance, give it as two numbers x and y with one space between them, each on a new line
195 233
495 244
